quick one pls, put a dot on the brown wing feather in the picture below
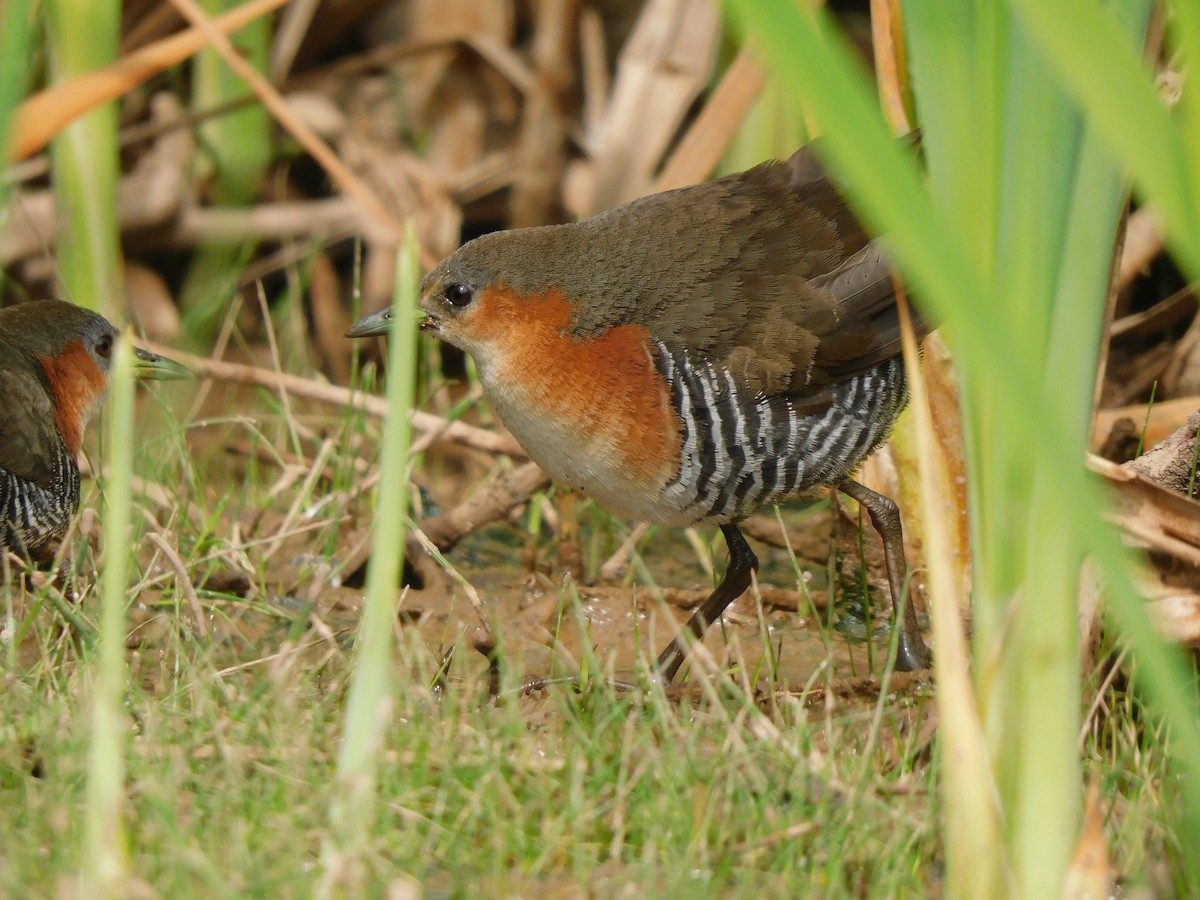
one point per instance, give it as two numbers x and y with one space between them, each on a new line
812 297
866 287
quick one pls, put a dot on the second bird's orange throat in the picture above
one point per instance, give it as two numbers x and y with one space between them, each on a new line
78 386
598 387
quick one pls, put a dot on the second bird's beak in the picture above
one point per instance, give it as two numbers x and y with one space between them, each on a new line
372 326
380 323
152 367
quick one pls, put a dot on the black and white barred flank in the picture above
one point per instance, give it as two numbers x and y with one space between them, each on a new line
33 518
742 451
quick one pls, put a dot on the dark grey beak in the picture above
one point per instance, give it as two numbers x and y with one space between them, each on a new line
152 367
372 326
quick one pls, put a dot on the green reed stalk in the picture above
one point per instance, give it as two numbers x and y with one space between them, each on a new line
105 863
83 36
16 48
368 709
1010 244
1086 46
235 150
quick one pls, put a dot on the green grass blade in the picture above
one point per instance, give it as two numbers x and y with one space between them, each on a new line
369 703
1092 51
1185 28
105 863
1085 43
957 53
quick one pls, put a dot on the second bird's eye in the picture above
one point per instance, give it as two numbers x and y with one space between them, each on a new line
458 295
104 345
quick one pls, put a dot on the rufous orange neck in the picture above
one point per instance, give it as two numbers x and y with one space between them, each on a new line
605 388
77 385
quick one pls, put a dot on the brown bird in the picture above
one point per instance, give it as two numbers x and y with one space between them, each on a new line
691 356
55 360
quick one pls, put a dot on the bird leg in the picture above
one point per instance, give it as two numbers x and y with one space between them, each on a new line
742 562
885 516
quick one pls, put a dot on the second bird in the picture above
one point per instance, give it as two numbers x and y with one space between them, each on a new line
691 356
55 361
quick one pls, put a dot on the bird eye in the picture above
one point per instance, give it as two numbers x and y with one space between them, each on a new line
104 346
458 295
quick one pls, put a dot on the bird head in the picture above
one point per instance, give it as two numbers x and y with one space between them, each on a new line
452 300
486 296
75 349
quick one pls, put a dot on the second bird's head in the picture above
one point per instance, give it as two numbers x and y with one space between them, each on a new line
76 348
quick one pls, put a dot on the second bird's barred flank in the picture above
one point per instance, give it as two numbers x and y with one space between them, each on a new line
33 517
740 451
